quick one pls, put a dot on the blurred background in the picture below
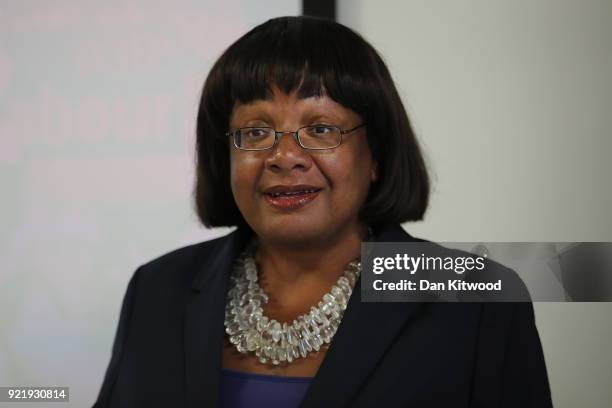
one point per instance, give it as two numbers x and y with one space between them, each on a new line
511 100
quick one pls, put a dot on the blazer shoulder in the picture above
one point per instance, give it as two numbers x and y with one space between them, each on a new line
513 287
181 261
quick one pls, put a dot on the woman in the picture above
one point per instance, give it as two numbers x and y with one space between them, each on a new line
304 145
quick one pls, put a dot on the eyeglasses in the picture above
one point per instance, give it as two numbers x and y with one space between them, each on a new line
313 137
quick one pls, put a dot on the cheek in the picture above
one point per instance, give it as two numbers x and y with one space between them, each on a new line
238 177
244 173
348 173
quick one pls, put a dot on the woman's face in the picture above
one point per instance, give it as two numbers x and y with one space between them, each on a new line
341 176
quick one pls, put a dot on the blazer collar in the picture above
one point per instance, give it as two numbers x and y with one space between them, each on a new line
359 343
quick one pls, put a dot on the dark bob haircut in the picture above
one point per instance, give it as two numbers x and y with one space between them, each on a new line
316 57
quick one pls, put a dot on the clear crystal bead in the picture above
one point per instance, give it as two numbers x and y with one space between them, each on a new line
316 316
329 299
306 341
255 316
262 323
289 354
241 346
343 280
251 340
325 308
232 328
326 333
260 297
324 320
302 348
314 341
338 294
275 331
351 278
291 337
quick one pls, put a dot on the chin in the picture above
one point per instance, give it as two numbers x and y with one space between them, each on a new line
296 232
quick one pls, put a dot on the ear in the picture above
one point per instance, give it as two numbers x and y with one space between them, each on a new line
374 172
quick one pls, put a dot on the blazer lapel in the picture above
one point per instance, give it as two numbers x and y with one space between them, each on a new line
365 332
204 315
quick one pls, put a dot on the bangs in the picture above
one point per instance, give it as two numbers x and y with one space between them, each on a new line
315 59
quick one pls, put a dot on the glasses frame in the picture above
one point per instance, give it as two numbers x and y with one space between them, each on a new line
278 134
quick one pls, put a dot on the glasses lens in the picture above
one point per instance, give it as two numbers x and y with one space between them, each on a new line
319 136
254 138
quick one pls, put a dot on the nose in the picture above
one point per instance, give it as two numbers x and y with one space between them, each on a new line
288 155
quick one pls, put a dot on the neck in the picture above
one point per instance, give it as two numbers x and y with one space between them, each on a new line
295 276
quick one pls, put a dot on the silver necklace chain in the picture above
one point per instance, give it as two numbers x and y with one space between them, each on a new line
271 341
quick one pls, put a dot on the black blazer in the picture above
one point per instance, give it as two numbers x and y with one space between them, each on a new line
168 347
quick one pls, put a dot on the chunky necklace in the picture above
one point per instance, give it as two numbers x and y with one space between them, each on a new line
273 342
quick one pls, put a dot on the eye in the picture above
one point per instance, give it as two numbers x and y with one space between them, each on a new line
321 129
255 133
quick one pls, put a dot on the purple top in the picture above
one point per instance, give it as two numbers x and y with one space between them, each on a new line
249 390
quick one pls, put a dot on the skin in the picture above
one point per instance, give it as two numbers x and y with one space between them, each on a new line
301 252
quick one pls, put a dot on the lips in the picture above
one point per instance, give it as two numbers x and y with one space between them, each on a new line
291 190
288 198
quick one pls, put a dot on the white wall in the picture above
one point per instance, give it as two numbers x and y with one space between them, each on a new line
512 102
97 116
